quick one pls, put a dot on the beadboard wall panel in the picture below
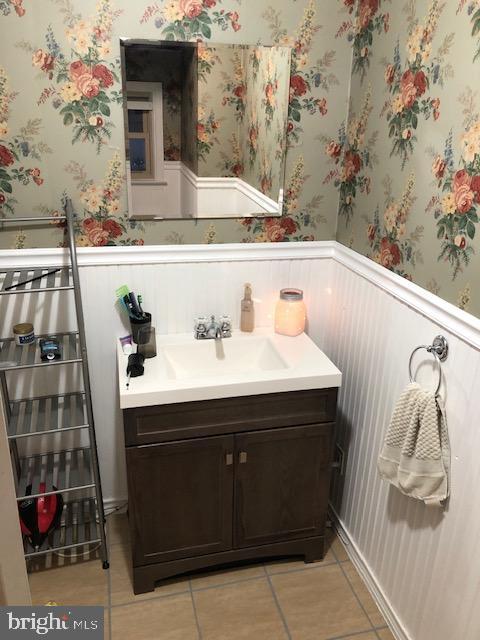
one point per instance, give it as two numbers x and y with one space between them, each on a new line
425 560
175 293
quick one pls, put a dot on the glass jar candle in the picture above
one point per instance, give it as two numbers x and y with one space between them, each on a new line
290 313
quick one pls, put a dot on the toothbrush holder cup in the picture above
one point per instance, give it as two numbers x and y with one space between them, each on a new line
141 329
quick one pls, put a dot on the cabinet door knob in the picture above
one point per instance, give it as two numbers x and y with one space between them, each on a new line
229 459
242 458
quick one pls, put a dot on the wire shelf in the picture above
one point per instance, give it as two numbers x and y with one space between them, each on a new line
62 472
79 528
13 356
74 473
44 280
47 414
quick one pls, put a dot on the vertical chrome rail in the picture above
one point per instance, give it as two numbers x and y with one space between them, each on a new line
86 376
8 413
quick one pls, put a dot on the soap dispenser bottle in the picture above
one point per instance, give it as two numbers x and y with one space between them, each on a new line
247 317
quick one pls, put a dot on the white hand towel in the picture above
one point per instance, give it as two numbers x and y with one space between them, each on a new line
415 456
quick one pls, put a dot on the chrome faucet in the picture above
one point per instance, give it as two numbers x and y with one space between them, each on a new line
205 330
215 329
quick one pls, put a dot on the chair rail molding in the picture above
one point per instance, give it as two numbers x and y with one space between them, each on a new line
159 254
445 314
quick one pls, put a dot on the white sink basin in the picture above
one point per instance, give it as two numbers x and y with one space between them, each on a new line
186 369
231 356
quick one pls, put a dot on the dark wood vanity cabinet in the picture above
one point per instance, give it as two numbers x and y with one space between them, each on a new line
212 483
181 498
281 484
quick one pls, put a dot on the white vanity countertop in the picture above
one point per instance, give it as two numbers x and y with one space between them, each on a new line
186 369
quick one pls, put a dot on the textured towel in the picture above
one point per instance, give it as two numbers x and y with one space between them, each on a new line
415 456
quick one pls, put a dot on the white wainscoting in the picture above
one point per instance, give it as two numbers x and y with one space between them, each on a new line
175 294
183 194
226 197
177 284
421 563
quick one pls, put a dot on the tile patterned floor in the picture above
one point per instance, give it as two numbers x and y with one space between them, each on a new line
278 600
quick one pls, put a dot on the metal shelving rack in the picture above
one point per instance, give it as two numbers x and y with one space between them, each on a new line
72 472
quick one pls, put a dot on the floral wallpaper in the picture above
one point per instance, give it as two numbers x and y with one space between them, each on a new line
243 109
267 107
406 163
17 148
396 165
62 123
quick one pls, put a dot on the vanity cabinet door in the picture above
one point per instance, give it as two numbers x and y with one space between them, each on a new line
281 484
180 498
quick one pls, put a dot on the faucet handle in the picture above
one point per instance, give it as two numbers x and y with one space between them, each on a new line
200 326
200 322
226 326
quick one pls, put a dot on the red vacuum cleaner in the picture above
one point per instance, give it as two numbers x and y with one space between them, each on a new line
40 516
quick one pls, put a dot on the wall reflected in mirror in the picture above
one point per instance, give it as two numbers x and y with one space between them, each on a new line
205 128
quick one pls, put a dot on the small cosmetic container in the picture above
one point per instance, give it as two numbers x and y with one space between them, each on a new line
24 333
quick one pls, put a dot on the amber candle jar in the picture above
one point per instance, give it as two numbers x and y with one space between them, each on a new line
290 313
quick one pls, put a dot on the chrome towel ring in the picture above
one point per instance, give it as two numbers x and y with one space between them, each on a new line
439 349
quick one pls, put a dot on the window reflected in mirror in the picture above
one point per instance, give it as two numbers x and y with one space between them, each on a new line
140 142
205 128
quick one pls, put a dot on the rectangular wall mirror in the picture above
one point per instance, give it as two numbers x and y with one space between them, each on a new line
205 128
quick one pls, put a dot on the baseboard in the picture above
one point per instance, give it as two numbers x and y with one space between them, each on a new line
368 577
114 504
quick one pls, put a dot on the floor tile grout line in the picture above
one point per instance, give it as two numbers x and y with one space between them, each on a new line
221 585
374 628
197 622
358 600
240 580
277 604
227 584
329 564
309 567
142 600
334 554
191 590
351 634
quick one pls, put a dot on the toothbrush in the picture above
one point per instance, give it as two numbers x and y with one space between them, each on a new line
140 300
131 309
133 300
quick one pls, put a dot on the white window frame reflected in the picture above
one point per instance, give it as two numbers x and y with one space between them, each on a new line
153 123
